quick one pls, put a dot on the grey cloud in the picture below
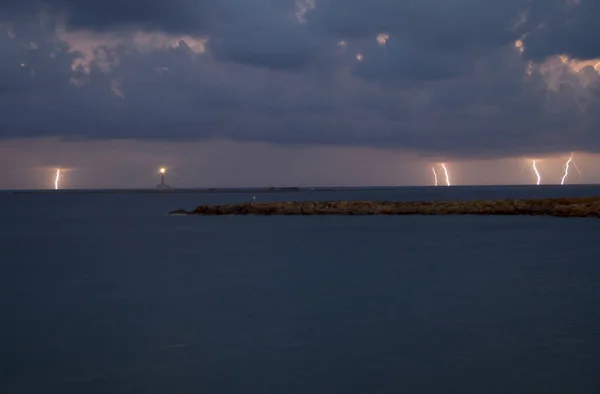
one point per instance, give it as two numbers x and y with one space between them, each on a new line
256 32
404 63
563 27
429 40
174 15
449 80
271 44
442 24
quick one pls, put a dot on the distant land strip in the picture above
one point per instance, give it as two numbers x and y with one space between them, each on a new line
268 190
232 190
171 190
562 207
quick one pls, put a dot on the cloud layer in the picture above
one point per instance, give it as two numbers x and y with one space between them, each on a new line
454 78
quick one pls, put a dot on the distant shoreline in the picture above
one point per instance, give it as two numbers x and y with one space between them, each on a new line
256 190
561 207
262 190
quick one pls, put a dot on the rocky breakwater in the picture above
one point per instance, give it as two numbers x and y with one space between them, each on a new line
564 207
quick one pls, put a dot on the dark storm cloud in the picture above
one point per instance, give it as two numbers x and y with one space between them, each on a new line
442 24
405 63
270 43
255 32
174 15
448 80
567 27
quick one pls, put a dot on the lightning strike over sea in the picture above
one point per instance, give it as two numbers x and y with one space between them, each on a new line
57 179
435 178
446 174
570 162
537 173
562 181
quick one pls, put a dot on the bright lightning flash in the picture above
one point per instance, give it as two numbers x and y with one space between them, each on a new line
537 173
562 181
435 178
57 179
446 174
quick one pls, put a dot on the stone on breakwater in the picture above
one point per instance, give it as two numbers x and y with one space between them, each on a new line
564 207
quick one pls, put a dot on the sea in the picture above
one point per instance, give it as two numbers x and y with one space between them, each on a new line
104 292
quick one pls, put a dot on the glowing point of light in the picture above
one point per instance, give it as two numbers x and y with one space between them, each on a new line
359 57
519 45
57 179
562 181
382 38
446 174
163 170
537 173
435 178
529 69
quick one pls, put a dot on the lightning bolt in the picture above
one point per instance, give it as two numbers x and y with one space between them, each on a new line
562 181
537 173
435 178
446 173
575 167
57 179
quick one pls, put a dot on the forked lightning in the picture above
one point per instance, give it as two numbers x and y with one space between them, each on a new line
569 162
562 181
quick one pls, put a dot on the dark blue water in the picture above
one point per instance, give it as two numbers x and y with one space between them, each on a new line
105 293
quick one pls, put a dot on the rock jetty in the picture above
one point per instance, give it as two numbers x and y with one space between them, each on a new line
563 207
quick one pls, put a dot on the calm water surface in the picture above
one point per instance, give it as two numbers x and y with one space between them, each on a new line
105 293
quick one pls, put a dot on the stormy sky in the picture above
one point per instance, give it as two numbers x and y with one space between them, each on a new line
307 92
